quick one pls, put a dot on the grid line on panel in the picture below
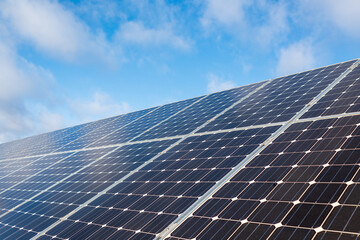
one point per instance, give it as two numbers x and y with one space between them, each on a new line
304 192
205 111
138 126
79 130
342 204
210 132
181 136
131 176
40 159
115 118
104 191
155 139
343 98
177 222
9 163
89 181
7 147
14 145
29 199
138 168
159 123
340 128
281 99
72 134
336 81
55 151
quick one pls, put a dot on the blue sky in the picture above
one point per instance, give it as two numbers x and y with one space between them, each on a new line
68 62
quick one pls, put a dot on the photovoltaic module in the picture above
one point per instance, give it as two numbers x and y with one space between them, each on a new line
278 159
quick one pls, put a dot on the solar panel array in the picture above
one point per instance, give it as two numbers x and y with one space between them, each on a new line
277 159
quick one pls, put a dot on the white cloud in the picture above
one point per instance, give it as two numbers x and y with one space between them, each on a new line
295 58
262 22
342 14
30 100
137 33
20 80
100 105
275 27
53 29
30 103
216 83
223 12
19 77
50 121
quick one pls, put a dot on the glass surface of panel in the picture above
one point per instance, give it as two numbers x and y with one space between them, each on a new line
146 202
343 98
199 113
279 100
138 127
57 190
292 188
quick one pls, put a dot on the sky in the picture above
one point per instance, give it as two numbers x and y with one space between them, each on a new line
67 62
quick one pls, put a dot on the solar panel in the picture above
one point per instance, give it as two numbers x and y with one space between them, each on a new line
277 159
151 120
279 100
199 113
343 98
296 189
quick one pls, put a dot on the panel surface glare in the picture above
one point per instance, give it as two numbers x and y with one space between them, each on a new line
199 113
58 190
138 127
279 100
104 130
146 202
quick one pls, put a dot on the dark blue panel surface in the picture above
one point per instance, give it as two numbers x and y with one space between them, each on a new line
343 98
54 191
290 189
199 113
279 100
104 130
151 198
138 127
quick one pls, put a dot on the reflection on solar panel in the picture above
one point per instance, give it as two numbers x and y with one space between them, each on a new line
279 159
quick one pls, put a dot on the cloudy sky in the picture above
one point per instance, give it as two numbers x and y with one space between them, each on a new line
68 62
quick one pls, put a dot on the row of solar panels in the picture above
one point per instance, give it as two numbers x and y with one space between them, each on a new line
262 168
261 103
